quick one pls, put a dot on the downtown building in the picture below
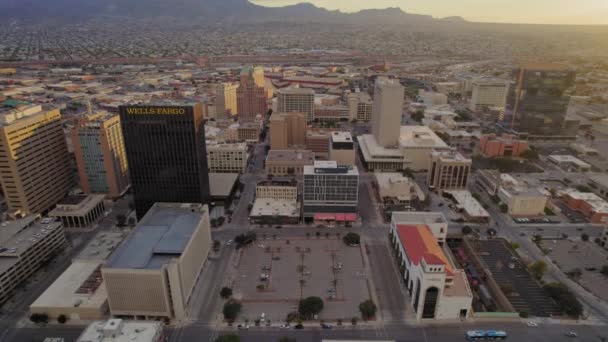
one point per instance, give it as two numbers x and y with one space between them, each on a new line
537 105
35 169
299 100
251 95
166 152
100 155
331 192
287 131
449 170
226 100
488 93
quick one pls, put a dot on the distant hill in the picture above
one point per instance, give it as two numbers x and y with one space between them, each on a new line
212 11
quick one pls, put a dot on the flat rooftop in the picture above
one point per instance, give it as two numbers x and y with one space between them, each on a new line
329 167
275 207
557 158
161 235
75 287
345 137
101 246
221 184
11 115
118 330
76 205
468 203
304 156
420 136
450 156
297 91
405 217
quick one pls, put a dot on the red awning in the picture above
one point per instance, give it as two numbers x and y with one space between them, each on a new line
325 217
340 217
350 217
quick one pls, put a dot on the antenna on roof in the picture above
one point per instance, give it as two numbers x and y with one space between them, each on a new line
89 106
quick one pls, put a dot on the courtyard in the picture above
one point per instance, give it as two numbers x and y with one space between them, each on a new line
273 275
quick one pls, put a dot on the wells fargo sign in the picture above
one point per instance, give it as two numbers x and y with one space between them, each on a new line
156 110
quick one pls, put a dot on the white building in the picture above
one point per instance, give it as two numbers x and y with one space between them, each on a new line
226 158
431 98
523 200
437 289
118 330
299 100
488 93
393 187
570 163
387 111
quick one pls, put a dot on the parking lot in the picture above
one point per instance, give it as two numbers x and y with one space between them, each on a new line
273 275
506 268
584 256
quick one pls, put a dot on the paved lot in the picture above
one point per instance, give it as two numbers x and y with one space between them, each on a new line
570 255
298 269
527 294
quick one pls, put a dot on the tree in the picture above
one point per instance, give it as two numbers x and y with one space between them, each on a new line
228 338
310 306
529 154
503 207
604 270
566 300
225 292
352 239
466 230
506 288
477 196
318 234
575 274
368 309
62 319
408 173
583 188
39 318
132 221
418 116
216 245
287 339
231 310
538 269
585 237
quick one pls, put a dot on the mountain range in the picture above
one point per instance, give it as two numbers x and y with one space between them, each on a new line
211 11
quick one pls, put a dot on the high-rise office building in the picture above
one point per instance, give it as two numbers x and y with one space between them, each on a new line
537 104
449 170
287 131
99 150
167 154
35 166
488 93
386 114
225 100
300 100
251 95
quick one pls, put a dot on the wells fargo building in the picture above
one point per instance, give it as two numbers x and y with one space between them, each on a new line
166 152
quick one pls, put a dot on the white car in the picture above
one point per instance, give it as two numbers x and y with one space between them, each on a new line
285 326
532 324
229 242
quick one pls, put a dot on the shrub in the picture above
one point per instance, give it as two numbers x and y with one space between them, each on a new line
352 239
228 338
39 318
523 314
225 292
368 309
292 316
310 306
231 310
503 207
604 270
566 301
62 319
538 269
354 320
466 230
585 237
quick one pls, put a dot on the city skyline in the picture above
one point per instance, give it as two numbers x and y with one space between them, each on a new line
560 12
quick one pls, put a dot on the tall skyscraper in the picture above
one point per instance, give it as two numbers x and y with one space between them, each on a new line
386 114
251 94
99 150
225 100
34 160
300 100
537 105
287 131
167 154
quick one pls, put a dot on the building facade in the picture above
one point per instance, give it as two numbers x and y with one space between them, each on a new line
79 211
227 158
26 244
488 93
287 131
288 162
342 148
523 201
330 189
153 272
317 141
35 169
387 111
251 96
491 145
166 152
360 106
226 100
592 206
100 154
537 104
448 171
299 100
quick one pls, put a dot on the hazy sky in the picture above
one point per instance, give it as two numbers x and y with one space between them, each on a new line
513 11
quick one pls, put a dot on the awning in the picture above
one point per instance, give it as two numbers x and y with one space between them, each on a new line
336 217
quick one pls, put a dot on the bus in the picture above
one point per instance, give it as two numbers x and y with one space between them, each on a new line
476 335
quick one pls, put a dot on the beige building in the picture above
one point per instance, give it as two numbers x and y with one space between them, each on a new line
99 150
25 245
523 201
276 203
360 106
153 272
394 188
299 100
79 211
317 141
288 162
277 190
488 93
35 167
118 330
248 131
387 111
342 148
287 130
226 100
227 158
448 171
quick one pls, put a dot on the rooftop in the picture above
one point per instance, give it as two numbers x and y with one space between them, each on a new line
291 155
420 136
468 203
275 207
417 217
450 156
329 167
161 235
341 137
545 66
76 205
118 330
419 243
598 204
221 184
568 159
296 91
11 115
101 246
